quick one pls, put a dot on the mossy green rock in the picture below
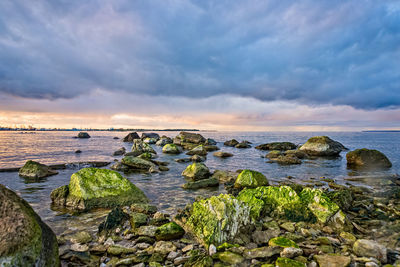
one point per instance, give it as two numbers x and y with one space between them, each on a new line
25 240
169 231
322 146
35 170
209 182
332 260
218 219
147 156
282 242
319 204
230 257
367 158
137 219
198 150
141 147
286 262
196 171
171 149
93 188
137 163
250 179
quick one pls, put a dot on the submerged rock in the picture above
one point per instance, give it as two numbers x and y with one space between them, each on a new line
367 158
243 144
231 143
274 154
25 240
137 163
92 188
119 152
209 182
196 171
286 160
281 146
118 166
251 179
83 135
35 170
198 150
113 220
172 149
130 137
322 146
197 158
222 154
169 231
210 142
225 176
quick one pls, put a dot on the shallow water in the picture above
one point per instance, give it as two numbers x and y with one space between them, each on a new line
164 189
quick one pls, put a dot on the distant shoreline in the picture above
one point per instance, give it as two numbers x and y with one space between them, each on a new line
382 131
101 130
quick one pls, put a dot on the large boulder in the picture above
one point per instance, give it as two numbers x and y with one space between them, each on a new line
141 147
171 149
130 137
196 171
83 135
277 146
251 179
25 240
322 146
138 163
370 248
367 158
163 141
150 135
35 170
198 150
97 188
186 137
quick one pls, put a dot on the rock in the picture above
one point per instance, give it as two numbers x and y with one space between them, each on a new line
222 154
212 250
119 152
196 171
163 168
197 158
217 219
198 150
209 182
83 135
287 160
150 141
210 142
186 137
25 240
137 219
231 143
164 247
225 176
210 148
288 226
148 230
150 135
281 146
297 153
250 179
184 160
181 260
143 208
172 149
348 238
169 231
82 237
118 250
291 252
130 137
147 156
368 159
113 220
370 248
274 154
230 258
322 146
94 188
137 163
261 252
262 237
285 262
35 170
141 147
163 141
243 145
332 260
118 166
282 242
115 137
78 151
320 205
79 247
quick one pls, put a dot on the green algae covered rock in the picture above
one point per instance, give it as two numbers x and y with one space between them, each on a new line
251 179
367 158
204 183
25 240
147 156
319 204
137 163
198 150
141 147
218 219
92 188
171 149
286 262
137 219
230 257
196 171
35 170
282 242
169 231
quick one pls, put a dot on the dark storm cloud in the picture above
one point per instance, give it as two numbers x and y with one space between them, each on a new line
313 52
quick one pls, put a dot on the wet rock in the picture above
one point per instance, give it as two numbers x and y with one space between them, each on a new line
370 248
172 149
115 137
286 262
332 260
262 252
141 147
274 154
243 145
147 156
150 135
149 230
222 154
288 226
291 252
130 137
231 143
137 163
367 159
210 148
196 171
169 231
35 170
92 188
83 135
118 250
198 150
225 176
137 219
204 183
282 242
118 166
78 151
25 240
210 142
163 141
82 237
262 237
348 238
113 220
143 208
287 160
230 258
164 247
197 158
163 168
250 179
184 160
186 137
297 153
150 141
322 146
277 146
119 152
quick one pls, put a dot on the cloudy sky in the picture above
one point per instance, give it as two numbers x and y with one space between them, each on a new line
224 65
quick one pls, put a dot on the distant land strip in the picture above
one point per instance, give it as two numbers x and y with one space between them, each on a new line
381 131
109 130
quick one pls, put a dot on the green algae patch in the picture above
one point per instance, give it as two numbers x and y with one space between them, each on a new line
319 204
171 149
286 262
218 219
169 231
282 242
250 179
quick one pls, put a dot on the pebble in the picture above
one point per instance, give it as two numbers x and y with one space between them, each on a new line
79 247
181 260
187 248
212 250
291 252
172 255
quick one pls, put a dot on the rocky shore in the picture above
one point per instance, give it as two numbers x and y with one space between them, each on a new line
256 223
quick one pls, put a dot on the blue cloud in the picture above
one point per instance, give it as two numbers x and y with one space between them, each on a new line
313 52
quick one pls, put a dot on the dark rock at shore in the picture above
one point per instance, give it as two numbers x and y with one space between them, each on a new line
204 183
83 135
115 137
231 143
367 159
277 146
130 137
243 144
114 219
150 135
35 170
78 151
222 154
119 152
25 240
186 137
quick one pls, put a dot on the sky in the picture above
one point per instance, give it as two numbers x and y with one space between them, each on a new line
210 64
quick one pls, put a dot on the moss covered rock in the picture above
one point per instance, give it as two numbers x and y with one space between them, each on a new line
277 146
186 137
274 154
282 242
209 182
35 170
172 149
286 262
231 143
222 154
137 163
251 179
141 147
91 188
367 158
322 146
198 150
169 231
319 204
137 219
196 171
25 240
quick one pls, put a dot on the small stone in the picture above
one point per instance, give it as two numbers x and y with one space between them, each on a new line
261 252
81 237
222 154
149 230
212 250
291 252
187 248
332 260
286 262
181 260
282 242
370 248
371 264
142 246
79 247
288 226
118 250
164 247
172 255
348 238
230 258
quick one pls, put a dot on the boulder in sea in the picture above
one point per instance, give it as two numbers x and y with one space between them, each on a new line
232 143
149 140
367 159
25 239
119 152
172 149
197 158
210 148
186 137
210 142
222 154
243 144
35 170
83 135
196 171
250 179
141 147
274 154
163 141
118 166
322 146
97 188
150 135
137 163
286 160
277 146
198 150
130 137
225 176
299 154
204 183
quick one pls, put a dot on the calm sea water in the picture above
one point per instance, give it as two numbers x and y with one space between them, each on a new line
164 189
